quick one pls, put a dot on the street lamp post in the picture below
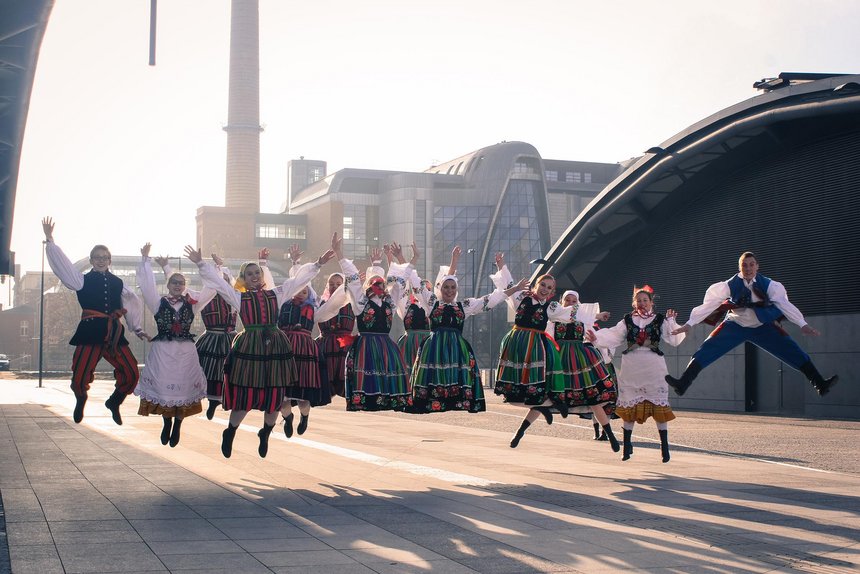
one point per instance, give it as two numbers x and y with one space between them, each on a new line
42 315
474 289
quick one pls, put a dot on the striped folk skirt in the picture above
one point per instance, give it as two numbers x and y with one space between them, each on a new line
408 345
445 376
334 356
310 385
258 370
375 375
213 346
529 367
587 380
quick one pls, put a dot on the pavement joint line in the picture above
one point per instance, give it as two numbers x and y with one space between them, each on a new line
416 469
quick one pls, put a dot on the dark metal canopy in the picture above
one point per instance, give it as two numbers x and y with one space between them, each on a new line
22 26
646 193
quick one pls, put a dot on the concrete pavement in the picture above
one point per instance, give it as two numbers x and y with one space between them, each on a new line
361 493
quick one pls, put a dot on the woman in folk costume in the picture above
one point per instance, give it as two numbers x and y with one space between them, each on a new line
260 366
410 310
642 388
335 333
172 384
296 319
530 371
445 376
589 388
219 319
375 375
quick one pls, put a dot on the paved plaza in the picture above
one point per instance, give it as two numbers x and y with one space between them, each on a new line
365 493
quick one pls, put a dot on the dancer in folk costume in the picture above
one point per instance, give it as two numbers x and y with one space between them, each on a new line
296 319
530 371
335 334
409 309
749 307
103 299
219 319
375 375
445 376
260 366
589 387
172 383
642 389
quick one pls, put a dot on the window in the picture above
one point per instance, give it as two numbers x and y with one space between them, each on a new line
347 220
315 174
551 175
280 231
587 177
522 167
25 329
568 177
577 177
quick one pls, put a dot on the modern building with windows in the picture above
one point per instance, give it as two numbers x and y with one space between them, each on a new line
779 175
495 199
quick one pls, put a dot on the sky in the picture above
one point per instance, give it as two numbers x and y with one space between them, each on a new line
121 153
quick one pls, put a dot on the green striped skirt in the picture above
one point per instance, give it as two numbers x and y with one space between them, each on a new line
445 376
529 367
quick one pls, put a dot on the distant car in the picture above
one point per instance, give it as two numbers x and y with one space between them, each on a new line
4 363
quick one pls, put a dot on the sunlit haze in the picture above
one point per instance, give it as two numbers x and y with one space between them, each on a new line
121 153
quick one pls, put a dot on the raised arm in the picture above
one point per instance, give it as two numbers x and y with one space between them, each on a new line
146 280
212 277
57 260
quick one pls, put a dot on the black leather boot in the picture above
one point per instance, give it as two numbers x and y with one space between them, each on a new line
288 425
165 431
113 403
681 385
596 426
303 424
664 444
264 433
628 444
78 414
822 385
227 440
174 436
563 409
210 412
613 442
546 412
519 435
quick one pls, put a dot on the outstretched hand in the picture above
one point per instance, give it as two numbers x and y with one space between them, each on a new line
325 257
48 228
218 261
295 254
195 255
682 329
603 316
263 254
144 251
337 244
807 330
590 336
162 260
416 253
500 260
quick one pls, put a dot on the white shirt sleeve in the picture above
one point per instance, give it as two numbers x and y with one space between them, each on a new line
669 325
133 309
475 306
63 268
352 284
714 297
330 308
293 285
611 337
212 277
146 282
777 294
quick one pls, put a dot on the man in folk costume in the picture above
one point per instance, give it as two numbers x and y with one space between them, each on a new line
104 299
749 307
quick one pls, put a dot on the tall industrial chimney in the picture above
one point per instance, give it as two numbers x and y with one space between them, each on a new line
243 114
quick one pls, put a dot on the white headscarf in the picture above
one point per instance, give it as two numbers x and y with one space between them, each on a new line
441 277
569 292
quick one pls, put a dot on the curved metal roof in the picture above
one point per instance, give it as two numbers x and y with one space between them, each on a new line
22 26
692 160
